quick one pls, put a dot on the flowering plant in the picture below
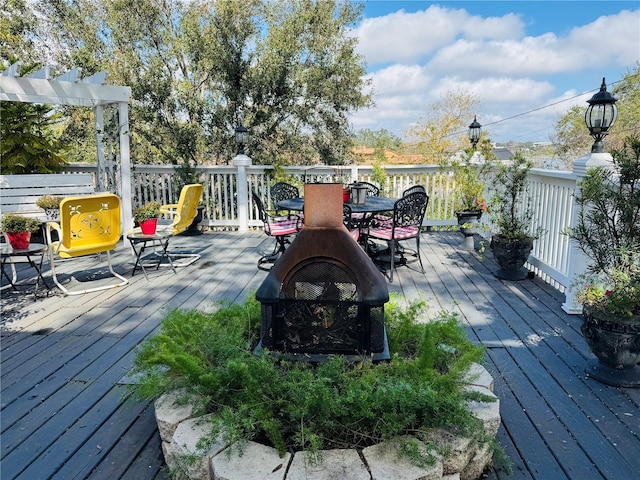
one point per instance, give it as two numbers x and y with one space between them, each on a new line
617 292
608 232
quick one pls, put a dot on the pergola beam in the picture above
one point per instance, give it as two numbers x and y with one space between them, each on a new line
57 92
68 89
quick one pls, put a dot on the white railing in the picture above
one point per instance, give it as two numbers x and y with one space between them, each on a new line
551 192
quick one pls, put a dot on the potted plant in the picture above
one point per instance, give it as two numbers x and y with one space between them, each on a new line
511 215
147 217
51 206
18 229
608 232
470 203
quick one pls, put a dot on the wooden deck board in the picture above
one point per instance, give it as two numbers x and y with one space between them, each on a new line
65 413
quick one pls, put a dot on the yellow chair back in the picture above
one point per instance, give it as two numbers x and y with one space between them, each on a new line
186 209
88 224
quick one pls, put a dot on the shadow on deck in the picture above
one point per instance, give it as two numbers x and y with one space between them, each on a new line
65 411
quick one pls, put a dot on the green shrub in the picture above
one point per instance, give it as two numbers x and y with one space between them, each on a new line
13 223
147 211
298 405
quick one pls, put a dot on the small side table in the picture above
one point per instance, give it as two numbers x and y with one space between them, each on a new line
8 253
140 242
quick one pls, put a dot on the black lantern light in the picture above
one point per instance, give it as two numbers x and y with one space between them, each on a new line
242 138
600 116
475 130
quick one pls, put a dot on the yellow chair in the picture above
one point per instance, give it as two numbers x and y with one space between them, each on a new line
183 214
88 224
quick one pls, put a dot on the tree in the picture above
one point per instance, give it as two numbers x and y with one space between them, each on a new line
571 139
444 129
380 140
29 143
286 69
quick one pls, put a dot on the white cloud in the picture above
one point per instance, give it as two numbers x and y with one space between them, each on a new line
428 53
403 36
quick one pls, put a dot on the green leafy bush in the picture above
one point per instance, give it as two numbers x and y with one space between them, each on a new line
298 405
13 223
147 211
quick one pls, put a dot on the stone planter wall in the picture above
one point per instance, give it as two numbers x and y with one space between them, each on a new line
180 432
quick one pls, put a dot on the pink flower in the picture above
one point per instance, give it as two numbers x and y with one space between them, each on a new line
608 292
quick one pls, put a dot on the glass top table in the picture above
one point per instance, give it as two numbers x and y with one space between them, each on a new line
11 256
371 205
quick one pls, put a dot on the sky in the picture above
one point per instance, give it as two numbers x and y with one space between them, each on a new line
516 56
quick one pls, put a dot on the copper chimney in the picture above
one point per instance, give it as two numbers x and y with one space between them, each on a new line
324 295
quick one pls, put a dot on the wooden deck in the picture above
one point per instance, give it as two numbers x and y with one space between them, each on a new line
65 411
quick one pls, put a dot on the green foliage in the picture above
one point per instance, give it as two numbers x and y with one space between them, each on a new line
608 232
470 179
436 134
297 405
287 70
510 206
12 223
146 211
28 142
380 177
49 201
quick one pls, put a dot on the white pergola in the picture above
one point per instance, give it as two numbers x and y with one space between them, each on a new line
70 89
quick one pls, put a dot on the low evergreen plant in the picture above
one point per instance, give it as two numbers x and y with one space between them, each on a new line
302 406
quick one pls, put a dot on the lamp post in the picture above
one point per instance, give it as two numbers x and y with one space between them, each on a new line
475 130
242 137
600 116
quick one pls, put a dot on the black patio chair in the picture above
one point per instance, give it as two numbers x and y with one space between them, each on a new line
278 227
282 191
407 217
415 188
347 219
372 190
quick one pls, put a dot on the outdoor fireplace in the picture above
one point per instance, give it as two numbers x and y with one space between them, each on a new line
324 295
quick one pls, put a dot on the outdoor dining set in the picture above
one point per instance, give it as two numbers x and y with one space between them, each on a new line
376 222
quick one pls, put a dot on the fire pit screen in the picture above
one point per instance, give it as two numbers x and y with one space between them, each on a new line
324 295
320 311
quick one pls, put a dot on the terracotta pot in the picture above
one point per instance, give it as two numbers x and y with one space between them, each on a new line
19 240
511 255
149 226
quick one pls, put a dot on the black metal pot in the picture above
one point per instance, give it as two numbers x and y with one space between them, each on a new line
468 222
511 255
194 228
615 341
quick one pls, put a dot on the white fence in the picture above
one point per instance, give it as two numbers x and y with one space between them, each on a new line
551 192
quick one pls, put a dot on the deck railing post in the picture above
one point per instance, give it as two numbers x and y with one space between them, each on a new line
242 161
577 259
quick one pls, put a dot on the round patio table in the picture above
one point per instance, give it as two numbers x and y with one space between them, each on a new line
11 256
371 205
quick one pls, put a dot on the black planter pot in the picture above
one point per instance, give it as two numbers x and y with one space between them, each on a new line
511 256
615 341
468 225
194 228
